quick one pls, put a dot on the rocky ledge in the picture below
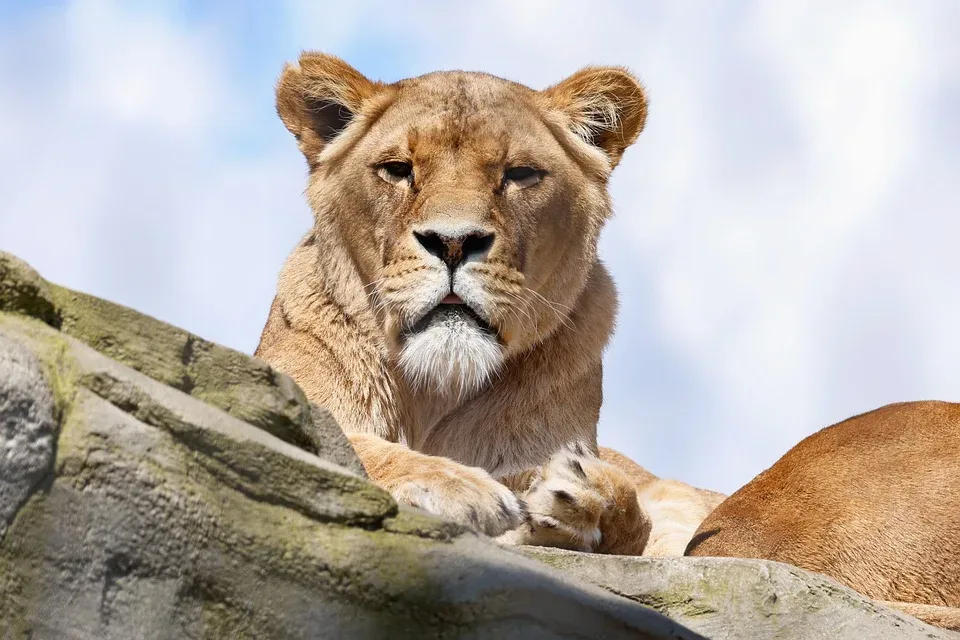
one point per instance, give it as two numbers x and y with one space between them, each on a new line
156 485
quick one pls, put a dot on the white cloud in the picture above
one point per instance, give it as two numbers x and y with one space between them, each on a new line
139 69
114 180
784 242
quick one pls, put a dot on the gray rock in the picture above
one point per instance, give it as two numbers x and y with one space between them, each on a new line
163 516
27 428
156 485
245 387
733 598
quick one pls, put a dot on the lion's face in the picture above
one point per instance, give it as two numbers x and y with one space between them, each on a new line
471 205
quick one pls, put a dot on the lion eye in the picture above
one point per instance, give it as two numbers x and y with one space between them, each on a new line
395 172
523 176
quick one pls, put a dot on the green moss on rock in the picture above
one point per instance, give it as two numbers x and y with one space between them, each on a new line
245 387
424 525
23 291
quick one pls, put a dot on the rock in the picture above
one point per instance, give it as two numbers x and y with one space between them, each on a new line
156 485
22 290
732 598
27 428
245 387
144 497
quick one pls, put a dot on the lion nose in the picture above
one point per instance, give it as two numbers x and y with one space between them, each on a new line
455 247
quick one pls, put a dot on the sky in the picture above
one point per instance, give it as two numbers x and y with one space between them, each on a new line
786 234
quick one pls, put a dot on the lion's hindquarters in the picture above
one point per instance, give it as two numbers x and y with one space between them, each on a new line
873 502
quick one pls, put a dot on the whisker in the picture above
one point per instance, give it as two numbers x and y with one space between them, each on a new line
376 282
561 311
517 306
549 302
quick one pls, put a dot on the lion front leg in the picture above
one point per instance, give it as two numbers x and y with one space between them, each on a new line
577 501
468 495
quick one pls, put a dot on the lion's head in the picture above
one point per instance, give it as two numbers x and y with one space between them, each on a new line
471 206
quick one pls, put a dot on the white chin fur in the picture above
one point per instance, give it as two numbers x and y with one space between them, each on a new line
450 356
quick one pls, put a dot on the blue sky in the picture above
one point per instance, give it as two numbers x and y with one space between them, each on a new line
785 234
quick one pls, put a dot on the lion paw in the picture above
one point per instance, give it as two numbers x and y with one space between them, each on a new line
579 502
467 495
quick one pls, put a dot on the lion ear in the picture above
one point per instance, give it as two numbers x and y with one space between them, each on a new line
318 97
604 106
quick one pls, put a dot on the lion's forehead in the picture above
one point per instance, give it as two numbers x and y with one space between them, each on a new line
460 109
462 93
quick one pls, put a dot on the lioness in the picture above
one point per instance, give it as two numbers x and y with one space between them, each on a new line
873 502
448 305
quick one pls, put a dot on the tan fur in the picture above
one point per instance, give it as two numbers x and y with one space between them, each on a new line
613 498
352 297
946 617
873 502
